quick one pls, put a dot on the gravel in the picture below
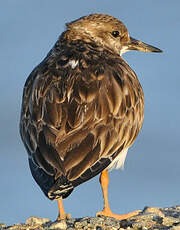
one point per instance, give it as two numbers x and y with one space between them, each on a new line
149 218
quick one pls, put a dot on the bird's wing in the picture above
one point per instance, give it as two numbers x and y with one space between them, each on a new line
74 123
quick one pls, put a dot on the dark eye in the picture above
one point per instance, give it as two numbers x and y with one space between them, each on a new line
115 33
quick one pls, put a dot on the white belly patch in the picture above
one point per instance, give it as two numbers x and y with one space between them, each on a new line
118 162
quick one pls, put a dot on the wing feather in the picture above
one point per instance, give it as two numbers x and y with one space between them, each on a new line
76 121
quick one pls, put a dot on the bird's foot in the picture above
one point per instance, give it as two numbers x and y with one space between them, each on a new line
108 213
64 216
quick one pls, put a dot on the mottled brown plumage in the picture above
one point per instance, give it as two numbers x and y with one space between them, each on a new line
82 105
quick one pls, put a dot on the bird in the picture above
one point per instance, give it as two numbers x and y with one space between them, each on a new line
82 108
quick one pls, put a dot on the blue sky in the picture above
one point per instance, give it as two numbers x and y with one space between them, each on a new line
151 176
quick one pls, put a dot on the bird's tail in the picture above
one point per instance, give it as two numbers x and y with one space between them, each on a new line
53 189
61 189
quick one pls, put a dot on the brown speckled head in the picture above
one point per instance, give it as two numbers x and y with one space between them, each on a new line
106 31
102 29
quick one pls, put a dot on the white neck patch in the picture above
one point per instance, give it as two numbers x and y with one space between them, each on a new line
73 63
123 50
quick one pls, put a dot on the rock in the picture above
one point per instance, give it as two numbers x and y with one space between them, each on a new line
58 225
149 218
2 226
33 220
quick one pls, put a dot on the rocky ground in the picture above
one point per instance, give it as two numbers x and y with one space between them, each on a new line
149 218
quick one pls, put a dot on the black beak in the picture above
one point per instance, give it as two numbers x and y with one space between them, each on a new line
141 46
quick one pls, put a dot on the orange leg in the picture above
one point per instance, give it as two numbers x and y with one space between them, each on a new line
104 181
62 215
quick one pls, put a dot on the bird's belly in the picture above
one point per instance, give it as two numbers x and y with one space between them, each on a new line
118 162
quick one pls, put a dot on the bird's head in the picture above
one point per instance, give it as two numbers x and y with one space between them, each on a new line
107 32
